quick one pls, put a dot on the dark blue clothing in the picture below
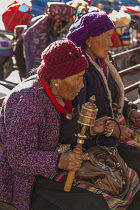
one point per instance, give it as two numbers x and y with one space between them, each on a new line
94 84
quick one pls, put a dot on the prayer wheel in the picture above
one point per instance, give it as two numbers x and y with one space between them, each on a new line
86 118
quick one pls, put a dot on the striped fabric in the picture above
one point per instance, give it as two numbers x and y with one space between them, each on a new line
113 202
132 143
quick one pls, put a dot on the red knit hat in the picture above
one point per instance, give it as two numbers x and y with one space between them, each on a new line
61 59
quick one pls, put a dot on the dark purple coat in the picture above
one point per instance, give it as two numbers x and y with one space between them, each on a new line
29 127
35 40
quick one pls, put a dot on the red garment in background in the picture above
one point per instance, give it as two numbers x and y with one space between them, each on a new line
116 39
12 17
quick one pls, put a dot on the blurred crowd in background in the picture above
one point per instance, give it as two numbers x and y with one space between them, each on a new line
34 24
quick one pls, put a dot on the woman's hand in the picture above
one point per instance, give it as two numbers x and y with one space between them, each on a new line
103 124
126 133
71 161
135 118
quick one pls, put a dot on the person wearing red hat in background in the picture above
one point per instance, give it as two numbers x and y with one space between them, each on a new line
35 132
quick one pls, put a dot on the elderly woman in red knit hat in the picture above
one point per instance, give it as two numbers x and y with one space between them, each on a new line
36 134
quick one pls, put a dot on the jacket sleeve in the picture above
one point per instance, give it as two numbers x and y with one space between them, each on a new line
128 105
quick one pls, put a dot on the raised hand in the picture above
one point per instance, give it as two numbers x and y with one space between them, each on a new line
103 124
126 133
135 118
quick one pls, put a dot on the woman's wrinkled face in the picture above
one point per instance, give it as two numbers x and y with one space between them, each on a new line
69 87
99 46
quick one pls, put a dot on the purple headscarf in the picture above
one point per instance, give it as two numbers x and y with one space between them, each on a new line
90 24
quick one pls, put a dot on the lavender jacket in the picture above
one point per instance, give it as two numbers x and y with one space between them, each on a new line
29 128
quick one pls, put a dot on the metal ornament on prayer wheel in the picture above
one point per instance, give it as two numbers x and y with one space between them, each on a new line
86 118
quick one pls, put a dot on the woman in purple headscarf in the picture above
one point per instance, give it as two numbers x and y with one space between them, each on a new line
92 32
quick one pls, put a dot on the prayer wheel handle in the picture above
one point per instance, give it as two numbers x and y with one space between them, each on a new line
87 118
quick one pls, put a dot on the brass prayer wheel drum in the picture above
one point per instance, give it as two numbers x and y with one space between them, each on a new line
88 113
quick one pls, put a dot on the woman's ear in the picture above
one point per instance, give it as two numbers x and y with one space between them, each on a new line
88 42
54 82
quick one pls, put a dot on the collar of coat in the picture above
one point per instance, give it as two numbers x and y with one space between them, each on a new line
115 76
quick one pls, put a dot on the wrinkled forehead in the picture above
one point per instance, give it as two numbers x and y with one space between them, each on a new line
105 34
